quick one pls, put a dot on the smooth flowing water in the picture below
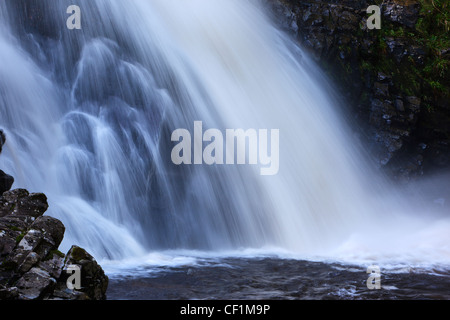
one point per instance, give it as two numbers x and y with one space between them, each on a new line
89 114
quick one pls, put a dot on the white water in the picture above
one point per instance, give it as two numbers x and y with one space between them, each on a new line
88 116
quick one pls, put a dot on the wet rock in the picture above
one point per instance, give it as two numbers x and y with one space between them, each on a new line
34 284
381 89
2 139
94 282
52 233
399 105
8 293
397 47
6 182
7 240
31 267
20 202
377 74
414 103
404 12
53 264
384 78
418 54
445 53
348 21
30 260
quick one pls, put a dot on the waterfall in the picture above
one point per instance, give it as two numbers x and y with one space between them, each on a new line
89 114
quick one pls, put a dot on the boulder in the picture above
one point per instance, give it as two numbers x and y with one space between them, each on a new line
94 282
35 284
404 12
6 182
2 140
52 231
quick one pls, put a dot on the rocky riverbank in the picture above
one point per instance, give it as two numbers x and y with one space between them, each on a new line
31 266
394 79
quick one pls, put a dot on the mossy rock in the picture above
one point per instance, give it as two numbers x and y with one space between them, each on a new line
77 254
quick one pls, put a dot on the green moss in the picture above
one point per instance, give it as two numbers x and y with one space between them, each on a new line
427 78
366 66
78 253
20 237
435 18
53 253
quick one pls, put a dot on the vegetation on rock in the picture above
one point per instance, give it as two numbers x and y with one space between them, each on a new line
395 79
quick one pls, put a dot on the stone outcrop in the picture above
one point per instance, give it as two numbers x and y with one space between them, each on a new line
393 79
31 267
6 181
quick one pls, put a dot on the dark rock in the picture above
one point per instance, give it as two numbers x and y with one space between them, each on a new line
30 260
18 223
2 140
417 53
15 195
8 293
20 202
94 282
6 182
34 205
26 245
31 267
414 103
35 284
399 105
52 231
384 78
53 265
381 90
397 47
445 53
7 240
405 12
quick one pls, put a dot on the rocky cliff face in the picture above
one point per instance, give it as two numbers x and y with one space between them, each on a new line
31 267
394 79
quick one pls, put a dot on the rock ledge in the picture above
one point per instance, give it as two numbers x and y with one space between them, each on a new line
31 267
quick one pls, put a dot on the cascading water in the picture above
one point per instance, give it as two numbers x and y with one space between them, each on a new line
89 115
